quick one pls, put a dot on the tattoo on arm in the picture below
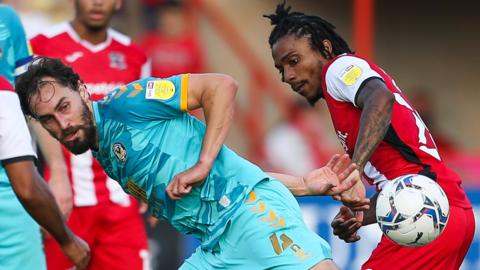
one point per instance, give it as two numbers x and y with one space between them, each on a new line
377 103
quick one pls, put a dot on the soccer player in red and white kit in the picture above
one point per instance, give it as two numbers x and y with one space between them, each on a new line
378 128
106 217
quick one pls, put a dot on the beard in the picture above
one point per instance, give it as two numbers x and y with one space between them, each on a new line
313 99
95 28
80 146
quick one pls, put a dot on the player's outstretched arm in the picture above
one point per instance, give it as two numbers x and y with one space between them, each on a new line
37 199
215 94
332 179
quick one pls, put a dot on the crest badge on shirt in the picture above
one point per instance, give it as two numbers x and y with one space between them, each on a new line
160 89
350 74
120 152
117 60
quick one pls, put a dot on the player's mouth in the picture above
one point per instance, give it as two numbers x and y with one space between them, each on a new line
298 87
96 15
71 136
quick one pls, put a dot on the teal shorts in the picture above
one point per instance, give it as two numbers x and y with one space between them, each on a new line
20 240
266 232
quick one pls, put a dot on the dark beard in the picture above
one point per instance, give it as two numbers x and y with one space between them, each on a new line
80 147
95 28
317 97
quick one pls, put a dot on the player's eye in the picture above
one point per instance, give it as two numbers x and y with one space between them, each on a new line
293 61
64 107
45 119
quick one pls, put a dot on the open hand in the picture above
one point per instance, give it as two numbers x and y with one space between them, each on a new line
332 179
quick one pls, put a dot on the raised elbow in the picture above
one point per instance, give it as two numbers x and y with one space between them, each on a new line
230 84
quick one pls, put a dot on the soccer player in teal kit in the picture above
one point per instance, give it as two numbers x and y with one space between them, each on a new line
143 138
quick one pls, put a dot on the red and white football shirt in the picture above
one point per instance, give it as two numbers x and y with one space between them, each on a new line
407 147
102 67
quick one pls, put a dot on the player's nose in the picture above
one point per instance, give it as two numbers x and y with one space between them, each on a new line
62 121
289 75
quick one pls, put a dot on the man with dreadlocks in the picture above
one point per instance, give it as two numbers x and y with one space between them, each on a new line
378 128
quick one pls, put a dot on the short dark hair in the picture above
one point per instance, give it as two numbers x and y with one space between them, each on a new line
28 84
301 25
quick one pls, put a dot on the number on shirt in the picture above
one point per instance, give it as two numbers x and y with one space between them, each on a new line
422 129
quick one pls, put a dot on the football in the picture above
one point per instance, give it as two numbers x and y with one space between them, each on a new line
412 210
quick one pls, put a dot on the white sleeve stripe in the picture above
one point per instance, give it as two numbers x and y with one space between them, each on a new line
344 77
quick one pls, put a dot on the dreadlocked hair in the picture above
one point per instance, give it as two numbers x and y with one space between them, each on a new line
301 25
29 83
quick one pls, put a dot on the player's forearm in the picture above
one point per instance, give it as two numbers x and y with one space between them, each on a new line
369 215
374 123
37 199
295 184
218 105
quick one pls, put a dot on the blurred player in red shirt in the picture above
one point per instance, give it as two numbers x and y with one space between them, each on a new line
173 47
106 217
379 129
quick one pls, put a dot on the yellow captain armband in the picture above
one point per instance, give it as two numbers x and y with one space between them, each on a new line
184 93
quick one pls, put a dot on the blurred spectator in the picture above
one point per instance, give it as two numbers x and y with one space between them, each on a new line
173 46
299 144
150 10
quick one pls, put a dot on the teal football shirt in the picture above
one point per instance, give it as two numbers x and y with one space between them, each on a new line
146 137
15 52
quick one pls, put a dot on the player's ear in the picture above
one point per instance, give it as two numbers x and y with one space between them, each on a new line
82 90
328 47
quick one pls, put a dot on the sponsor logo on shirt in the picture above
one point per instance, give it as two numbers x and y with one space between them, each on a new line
343 139
136 191
119 151
73 56
117 60
102 88
350 74
160 89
